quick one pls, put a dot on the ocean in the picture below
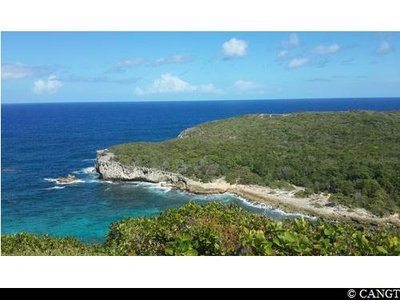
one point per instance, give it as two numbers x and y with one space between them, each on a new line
41 142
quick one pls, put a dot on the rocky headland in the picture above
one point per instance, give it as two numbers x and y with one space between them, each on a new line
315 205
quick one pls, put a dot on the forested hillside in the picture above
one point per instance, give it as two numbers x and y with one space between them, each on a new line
354 155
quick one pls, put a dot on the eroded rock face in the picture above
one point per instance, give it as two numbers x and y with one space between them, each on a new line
110 169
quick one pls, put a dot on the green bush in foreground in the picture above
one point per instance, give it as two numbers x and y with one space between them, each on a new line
215 229
42 245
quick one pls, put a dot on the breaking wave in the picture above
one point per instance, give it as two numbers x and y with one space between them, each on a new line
50 179
55 188
87 170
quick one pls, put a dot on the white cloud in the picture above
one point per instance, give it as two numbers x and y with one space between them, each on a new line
126 64
245 85
323 49
133 62
294 40
282 53
297 63
173 59
22 71
70 77
15 71
234 48
47 86
384 48
291 42
208 88
139 91
168 83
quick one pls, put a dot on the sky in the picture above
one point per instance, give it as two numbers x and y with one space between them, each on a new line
157 66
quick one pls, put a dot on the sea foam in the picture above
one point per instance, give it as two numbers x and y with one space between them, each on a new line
268 208
55 188
87 170
50 179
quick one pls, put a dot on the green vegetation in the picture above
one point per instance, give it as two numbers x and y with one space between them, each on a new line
42 245
215 229
353 155
304 193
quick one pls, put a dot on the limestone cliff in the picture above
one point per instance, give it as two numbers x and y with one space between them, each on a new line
110 169
316 205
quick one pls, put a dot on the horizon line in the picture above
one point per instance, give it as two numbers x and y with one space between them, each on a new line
210 100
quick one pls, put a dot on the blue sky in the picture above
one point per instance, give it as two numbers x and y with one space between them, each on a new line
148 66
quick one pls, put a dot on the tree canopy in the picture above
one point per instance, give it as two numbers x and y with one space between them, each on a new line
353 155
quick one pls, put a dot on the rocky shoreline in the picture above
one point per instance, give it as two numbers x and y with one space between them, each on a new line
315 205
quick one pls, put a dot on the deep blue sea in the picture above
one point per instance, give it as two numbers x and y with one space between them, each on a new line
43 141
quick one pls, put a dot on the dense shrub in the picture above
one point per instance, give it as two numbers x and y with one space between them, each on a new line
43 245
215 229
304 193
353 155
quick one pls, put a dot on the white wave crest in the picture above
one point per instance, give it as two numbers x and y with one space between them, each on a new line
157 187
270 208
88 170
93 181
159 190
55 188
266 209
50 179
107 181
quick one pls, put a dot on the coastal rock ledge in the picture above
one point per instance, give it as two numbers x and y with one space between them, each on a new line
110 169
315 205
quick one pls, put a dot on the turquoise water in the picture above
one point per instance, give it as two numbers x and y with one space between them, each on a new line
41 142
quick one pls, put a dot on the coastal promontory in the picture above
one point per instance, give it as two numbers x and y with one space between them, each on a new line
340 165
